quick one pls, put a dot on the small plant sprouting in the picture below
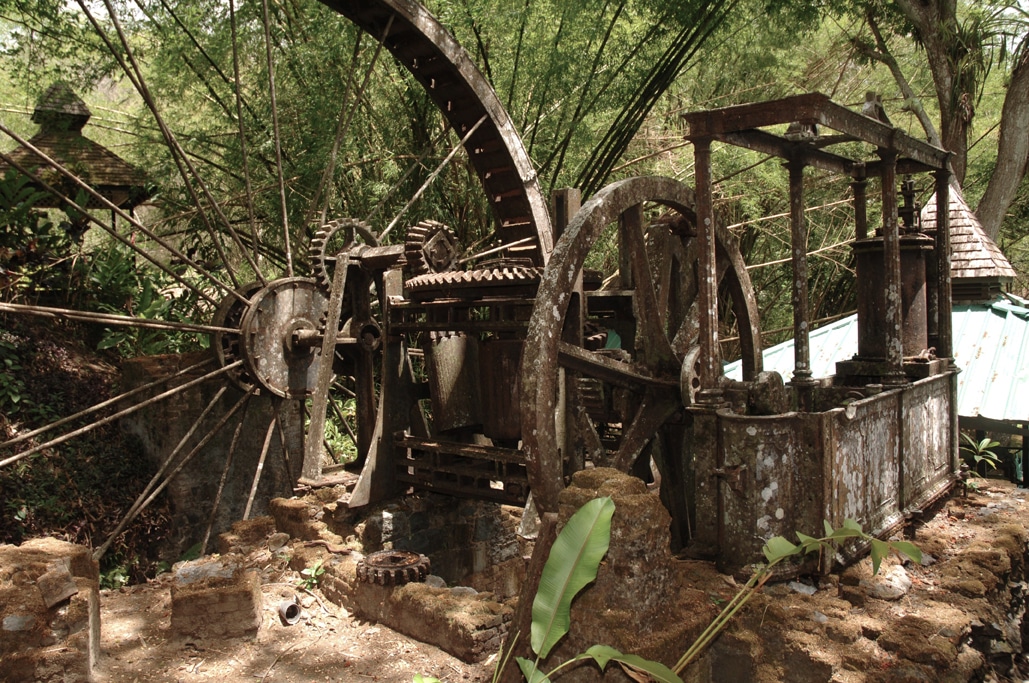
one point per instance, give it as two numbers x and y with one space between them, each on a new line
312 575
979 452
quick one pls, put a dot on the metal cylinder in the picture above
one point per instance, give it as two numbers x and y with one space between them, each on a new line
289 612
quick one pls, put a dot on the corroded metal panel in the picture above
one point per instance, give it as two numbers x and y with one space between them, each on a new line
927 438
863 463
453 363
770 481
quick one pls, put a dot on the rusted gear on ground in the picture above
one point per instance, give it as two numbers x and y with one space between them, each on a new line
332 239
393 567
430 247
500 278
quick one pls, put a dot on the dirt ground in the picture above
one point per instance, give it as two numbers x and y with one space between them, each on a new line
328 644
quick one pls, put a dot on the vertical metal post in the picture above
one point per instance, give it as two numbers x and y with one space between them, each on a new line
860 188
565 203
944 302
894 310
707 294
798 254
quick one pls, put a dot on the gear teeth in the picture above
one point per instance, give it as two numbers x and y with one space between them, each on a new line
320 244
418 236
393 568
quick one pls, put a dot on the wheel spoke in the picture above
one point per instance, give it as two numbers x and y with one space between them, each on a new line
653 412
587 431
260 465
128 411
284 215
140 506
652 345
615 372
225 475
431 179
96 195
100 406
112 319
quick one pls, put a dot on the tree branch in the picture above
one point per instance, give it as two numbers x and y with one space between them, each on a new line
911 100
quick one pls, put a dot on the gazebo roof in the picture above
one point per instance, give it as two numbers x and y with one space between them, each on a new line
61 115
973 255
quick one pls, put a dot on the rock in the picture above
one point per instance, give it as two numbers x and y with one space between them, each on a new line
803 588
890 584
277 540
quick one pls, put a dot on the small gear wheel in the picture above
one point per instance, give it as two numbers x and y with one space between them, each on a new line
431 247
393 567
332 239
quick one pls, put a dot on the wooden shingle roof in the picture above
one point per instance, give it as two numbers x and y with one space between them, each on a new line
973 255
61 116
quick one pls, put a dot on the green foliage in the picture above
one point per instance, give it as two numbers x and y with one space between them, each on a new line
575 558
114 578
12 386
979 453
312 575
572 564
30 243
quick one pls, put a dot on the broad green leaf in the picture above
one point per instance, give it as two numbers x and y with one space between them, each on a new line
530 672
828 527
777 548
572 564
880 549
603 654
843 532
418 678
912 551
851 524
808 543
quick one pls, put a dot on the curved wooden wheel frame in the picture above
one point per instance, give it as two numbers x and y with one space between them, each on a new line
655 372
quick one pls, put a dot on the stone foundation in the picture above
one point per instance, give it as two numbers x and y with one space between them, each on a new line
49 612
212 599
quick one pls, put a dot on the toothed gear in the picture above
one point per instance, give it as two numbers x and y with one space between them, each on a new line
393 567
332 239
431 247
501 278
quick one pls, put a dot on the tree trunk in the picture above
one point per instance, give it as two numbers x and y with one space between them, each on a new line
1012 152
935 22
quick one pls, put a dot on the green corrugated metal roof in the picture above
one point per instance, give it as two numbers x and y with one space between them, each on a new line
991 343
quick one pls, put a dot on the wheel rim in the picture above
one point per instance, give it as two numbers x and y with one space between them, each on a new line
664 336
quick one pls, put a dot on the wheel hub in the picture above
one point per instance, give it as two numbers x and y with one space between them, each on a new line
275 336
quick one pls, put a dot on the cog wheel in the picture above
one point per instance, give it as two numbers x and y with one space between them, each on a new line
431 247
332 239
491 279
393 567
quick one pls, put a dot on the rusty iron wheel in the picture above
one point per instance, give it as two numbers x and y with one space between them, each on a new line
330 241
499 280
393 567
659 277
476 118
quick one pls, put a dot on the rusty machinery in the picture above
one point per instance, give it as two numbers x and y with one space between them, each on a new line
506 376
502 378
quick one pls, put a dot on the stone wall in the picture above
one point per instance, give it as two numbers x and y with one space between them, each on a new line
49 612
192 492
468 542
